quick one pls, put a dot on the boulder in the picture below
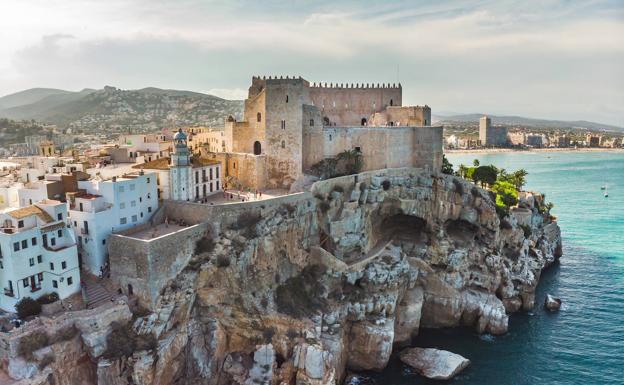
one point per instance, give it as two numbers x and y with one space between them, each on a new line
433 363
552 303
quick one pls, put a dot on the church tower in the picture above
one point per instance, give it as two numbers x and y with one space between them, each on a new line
180 169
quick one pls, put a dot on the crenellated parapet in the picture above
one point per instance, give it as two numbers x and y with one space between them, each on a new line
357 85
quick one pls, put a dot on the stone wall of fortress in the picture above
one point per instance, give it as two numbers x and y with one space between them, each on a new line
346 105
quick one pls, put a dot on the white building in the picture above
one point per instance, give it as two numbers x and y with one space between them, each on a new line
184 176
38 253
102 207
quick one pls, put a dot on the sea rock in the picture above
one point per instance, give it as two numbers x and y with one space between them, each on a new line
434 363
552 303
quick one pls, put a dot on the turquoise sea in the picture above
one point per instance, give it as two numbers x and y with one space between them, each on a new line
584 342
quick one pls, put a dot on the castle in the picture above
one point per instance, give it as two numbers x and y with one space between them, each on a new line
289 125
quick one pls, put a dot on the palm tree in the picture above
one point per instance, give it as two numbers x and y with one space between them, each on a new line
462 170
518 178
475 163
352 160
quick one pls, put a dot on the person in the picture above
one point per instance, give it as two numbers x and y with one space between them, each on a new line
260 194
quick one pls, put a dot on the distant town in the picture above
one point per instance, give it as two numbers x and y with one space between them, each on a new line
483 134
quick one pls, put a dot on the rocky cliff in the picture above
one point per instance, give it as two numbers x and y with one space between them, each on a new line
300 294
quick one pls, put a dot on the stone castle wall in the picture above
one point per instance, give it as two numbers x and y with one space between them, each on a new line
347 106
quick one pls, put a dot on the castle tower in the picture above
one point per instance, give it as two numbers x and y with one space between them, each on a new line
180 169
485 128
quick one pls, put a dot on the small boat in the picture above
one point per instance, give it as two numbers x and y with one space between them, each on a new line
606 194
604 187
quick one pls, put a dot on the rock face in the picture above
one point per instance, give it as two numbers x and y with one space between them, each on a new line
552 303
301 293
433 363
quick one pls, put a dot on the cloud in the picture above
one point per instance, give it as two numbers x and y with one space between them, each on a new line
548 57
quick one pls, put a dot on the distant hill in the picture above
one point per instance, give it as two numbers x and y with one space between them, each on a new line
113 108
28 96
531 122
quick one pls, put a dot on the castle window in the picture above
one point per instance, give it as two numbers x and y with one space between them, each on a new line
286 98
311 122
330 138
334 103
326 121
363 122
259 117
258 147
283 144
391 102
283 124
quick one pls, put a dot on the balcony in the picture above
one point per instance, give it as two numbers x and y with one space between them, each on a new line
9 292
8 230
36 288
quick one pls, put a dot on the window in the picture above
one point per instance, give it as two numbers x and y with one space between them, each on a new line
257 148
283 144
59 216
53 241
210 174
122 221
24 244
391 102
54 284
63 265
258 117
122 205
103 241
34 241
196 176
286 98
16 246
81 208
148 179
311 122
40 277
234 165
283 124
149 209
1 265
121 189
140 199
75 224
52 266
31 261
60 233
70 281
217 185
132 186
20 224
25 282
217 172
39 259
134 218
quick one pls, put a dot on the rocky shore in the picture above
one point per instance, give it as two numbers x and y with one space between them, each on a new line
303 294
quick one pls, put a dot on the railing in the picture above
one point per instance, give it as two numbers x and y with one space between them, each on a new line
8 230
36 288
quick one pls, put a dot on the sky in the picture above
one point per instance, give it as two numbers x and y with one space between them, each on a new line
551 59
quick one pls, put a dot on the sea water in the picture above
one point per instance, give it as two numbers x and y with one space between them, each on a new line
583 343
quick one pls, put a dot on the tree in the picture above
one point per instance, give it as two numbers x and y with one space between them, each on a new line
447 167
475 163
351 161
486 175
506 194
518 178
462 170
27 307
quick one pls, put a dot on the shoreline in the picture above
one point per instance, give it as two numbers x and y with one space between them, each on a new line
505 150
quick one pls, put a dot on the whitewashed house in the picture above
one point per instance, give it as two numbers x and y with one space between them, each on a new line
101 207
38 253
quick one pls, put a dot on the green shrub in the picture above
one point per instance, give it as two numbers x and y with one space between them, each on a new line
27 307
247 221
204 245
123 341
223 261
301 295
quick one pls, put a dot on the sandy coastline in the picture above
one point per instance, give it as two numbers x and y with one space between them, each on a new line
499 150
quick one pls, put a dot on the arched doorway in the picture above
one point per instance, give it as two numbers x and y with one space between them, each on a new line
257 148
363 122
391 102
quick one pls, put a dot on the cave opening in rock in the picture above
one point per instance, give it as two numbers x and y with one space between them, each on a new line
461 231
405 228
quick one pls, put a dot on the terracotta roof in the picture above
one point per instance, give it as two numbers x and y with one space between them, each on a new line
31 210
163 163
158 164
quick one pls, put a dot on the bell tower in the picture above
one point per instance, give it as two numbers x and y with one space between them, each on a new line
180 168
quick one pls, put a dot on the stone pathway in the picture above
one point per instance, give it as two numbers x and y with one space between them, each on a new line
96 293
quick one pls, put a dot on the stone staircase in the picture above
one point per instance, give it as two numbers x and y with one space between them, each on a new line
96 294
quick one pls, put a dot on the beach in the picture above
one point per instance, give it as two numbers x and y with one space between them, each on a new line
545 149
